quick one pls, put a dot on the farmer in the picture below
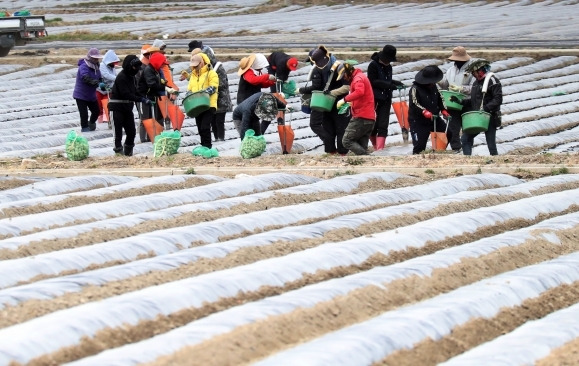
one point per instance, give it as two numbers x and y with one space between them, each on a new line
425 106
144 58
247 115
361 98
204 78
252 77
380 75
88 78
151 87
166 74
108 73
489 101
457 79
123 95
280 65
327 76
224 104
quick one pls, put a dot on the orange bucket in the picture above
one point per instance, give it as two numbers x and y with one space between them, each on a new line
439 141
172 111
153 128
105 103
401 110
286 137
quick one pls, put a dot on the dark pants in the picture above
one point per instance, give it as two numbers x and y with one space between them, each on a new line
124 120
357 135
382 108
83 107
491 137
218 126
203 122
454 127
420 133
330 128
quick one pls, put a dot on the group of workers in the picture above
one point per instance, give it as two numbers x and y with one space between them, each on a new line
358 117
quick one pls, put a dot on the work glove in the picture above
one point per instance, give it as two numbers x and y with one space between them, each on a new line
340 103
272 77
454 99
455 88
102 86
163 81
297 91
210 90
427 114
145 101
170 90
184 75
445 113
398 84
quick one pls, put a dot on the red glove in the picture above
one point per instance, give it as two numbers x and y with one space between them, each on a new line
427 114
445 113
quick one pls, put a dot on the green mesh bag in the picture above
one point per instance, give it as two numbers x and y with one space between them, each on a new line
167 143
252 146
76 146
289 88
205 152
344 109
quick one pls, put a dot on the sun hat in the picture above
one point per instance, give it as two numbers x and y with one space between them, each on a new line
195 44
196 60
260 62
477 64
94 53
459 54
145 49
429 75
388 53
292 64
320 57
245 64
153 49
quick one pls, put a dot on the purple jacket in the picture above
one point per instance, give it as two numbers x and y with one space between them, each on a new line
87 80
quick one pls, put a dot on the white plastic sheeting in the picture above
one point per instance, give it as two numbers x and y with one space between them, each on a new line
156 201
338 184
525 345
64 328
75 185
172 240
60 185
309 296
372 340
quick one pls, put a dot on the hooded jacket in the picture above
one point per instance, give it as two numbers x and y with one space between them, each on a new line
107 70
361 96
88 78
380 76
204 78
124 91
150 82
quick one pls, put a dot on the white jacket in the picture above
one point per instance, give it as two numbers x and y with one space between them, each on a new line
458 77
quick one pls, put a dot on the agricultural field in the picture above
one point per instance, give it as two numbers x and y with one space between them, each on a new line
292 259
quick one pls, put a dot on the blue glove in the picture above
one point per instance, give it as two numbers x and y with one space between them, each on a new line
210 90
145 101
102 86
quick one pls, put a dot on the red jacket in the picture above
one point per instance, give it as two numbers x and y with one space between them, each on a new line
361 97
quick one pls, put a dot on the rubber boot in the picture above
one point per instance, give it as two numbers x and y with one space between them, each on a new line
92 126
405 135
373 141
128 150
118 150
380 142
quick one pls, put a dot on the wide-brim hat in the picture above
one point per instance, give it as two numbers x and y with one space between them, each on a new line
459 54
429 75
477 64
153 49
245 64
388 53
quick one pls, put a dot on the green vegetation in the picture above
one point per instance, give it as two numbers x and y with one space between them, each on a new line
429 171
90 36
558 171
190 171
354 161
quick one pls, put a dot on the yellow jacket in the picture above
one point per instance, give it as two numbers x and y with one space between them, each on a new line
203 79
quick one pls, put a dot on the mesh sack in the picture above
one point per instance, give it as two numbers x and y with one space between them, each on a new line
252 146
205 152
167 143
76 146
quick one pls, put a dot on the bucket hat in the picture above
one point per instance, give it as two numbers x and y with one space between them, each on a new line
388 53
245 64
459 54
195 44
429 75
94 53
477 64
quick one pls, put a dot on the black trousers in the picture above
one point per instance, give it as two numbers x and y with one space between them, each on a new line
382 108
203 122
124 120
84 106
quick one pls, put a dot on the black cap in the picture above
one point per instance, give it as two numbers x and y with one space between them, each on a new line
195 44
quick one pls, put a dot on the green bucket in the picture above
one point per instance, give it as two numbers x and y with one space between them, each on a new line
196 103
446 94
322 102
475 122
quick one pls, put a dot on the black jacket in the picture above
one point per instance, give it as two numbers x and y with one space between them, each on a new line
380 77
423 97
320 78
278 65
124 90
492 99
150 83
